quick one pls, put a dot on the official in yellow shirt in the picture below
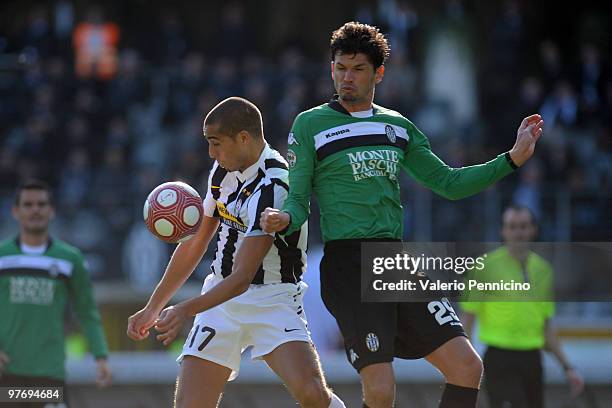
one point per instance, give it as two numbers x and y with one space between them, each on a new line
516 331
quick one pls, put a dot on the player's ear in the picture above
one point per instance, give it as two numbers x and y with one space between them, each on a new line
379 74
332 69
243 136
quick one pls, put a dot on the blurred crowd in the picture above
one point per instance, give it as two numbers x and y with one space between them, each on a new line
105 111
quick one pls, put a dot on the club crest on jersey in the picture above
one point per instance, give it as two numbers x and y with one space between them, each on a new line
390 133
372 342
291 158
291 140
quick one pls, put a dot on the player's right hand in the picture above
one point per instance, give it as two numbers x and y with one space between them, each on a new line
170 323
140 322
4 360
273 220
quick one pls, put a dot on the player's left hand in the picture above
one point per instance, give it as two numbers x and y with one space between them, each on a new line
104 374
170 323
576 382
527 135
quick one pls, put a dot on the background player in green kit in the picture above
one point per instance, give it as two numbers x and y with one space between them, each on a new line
349 152
38 275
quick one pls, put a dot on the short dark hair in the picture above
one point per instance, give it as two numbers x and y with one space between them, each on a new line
522 207
33 184
234 115
354 37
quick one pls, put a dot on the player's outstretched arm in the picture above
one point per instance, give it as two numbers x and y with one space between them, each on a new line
184 260
249 257
456 183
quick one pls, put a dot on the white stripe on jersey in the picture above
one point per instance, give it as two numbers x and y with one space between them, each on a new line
357 129
237 199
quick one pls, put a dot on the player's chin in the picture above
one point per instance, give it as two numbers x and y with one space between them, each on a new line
348 97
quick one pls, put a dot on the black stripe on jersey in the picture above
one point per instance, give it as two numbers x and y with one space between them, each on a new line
259 276
358 141
290 257
280 183
39 273
212 267
275 164
248 190
215 182
227 262
266 199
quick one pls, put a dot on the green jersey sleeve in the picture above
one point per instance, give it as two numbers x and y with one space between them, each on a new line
452 183
81 295
301 156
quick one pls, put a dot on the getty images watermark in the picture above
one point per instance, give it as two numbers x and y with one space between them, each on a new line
419 266
486 272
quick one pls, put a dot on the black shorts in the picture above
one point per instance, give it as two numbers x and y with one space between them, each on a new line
20 381
378 332
514 378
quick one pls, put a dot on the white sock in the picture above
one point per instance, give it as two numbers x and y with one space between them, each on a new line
336 402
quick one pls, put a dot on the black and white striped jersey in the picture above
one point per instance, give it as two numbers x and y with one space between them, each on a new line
238 199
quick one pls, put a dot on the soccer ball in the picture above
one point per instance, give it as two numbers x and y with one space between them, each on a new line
173 212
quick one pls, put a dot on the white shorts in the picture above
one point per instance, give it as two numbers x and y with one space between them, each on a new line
265 316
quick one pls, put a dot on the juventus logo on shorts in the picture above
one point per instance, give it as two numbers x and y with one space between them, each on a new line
372 342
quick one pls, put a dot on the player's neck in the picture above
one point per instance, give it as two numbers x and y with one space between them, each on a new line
33 239
357 106
254 156
519 253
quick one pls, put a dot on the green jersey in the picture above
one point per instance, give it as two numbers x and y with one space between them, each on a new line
353 163
34 290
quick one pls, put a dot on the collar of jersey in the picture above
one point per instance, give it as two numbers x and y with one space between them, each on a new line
18 243
337 106
251 171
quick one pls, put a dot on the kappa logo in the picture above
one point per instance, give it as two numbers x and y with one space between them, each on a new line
337 132
372 342
353 356
390 133
291 140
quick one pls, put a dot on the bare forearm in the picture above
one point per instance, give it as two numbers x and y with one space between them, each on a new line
185 258
553 345
232 286
250 255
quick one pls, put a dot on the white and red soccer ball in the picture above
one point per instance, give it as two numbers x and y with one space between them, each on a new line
173 212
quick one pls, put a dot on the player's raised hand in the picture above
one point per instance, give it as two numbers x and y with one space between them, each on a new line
273 220
140 322
170 323
527 135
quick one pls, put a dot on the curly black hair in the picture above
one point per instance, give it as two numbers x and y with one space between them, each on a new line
354 37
